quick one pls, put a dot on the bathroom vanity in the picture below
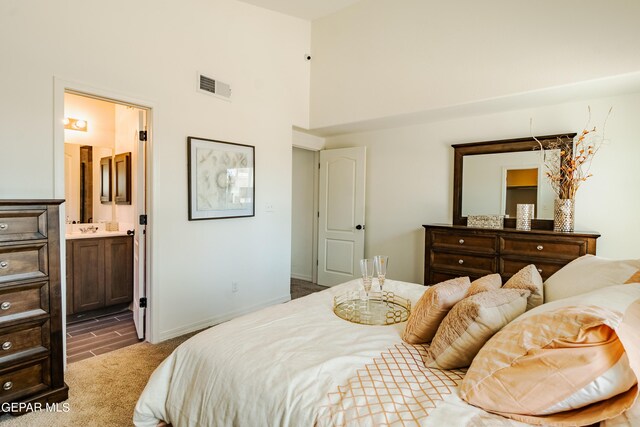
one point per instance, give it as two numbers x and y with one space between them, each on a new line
99 270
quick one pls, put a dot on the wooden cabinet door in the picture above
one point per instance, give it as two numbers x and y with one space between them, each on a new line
88 274
118 270
69 275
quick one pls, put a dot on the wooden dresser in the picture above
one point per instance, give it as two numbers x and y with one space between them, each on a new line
454 251
31 353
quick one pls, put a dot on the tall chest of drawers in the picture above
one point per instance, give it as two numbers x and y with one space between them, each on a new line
31 353
454 251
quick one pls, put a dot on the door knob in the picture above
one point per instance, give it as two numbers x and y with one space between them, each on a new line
359 227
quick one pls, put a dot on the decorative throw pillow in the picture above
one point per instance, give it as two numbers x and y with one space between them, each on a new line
635 278
572 362
485 283
528 278
432 307
586 274
471 323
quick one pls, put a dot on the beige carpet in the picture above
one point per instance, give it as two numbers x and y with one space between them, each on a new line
103 390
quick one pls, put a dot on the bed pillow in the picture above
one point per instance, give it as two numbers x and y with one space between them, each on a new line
573 362
528 278
485 283
635 278
471 323
432 307
588 273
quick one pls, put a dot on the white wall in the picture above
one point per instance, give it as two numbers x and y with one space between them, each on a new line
302 214
380 58
412 172
152 51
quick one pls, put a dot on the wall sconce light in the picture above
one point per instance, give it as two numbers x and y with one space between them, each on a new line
75 124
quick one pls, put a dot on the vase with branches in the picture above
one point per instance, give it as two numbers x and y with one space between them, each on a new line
568 165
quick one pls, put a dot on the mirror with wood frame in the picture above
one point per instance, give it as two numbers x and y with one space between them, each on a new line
492 177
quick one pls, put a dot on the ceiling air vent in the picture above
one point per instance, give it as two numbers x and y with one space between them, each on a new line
214 87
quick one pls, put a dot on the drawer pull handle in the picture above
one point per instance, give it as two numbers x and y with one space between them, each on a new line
7 345
540 270
4 264
461 241
460 261
3 226
540 247
8 385
5 305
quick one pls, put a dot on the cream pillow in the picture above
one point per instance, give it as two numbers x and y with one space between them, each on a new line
572 362
588 273
528 278
485 283
432 307
471 323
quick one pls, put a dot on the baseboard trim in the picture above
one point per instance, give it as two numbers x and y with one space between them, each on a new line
172 333
301 277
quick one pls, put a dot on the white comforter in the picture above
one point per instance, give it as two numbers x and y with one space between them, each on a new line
278 366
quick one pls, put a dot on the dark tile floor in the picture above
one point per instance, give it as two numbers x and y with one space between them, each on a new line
99 335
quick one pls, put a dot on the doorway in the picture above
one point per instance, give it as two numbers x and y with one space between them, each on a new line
302 215
327 232
105 186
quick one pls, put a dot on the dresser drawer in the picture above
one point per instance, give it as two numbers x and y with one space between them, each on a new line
27 224
24 340
464 241
18 302
441 276
509 267
546 248
463 262
23 261
23 381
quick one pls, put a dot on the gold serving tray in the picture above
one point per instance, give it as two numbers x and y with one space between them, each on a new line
382 308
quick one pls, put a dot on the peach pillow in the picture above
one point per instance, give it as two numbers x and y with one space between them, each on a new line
471 323
432 307
635 278
528 278
485 283
574 362
588 273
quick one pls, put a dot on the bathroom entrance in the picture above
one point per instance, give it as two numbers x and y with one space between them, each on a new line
105 193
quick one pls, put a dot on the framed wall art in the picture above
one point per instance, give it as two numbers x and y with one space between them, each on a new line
221 179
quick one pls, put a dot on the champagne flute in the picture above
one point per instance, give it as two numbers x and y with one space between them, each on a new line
366 268
381 262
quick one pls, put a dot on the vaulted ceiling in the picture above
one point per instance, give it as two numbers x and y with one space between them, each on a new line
305 9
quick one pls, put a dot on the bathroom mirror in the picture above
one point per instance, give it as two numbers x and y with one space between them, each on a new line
492 177
85 200
105 180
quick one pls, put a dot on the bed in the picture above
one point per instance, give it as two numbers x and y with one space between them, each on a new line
298 364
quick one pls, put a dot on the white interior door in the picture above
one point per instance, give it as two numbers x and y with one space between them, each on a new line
341 224
139 237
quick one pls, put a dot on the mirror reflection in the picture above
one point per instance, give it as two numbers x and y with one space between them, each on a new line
493 184
84 183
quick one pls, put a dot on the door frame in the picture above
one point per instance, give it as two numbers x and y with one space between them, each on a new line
314 212
61 86
313 143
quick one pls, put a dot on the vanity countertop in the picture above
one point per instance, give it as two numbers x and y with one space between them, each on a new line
99 233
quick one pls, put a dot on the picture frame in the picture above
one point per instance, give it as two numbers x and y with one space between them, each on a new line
221 179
